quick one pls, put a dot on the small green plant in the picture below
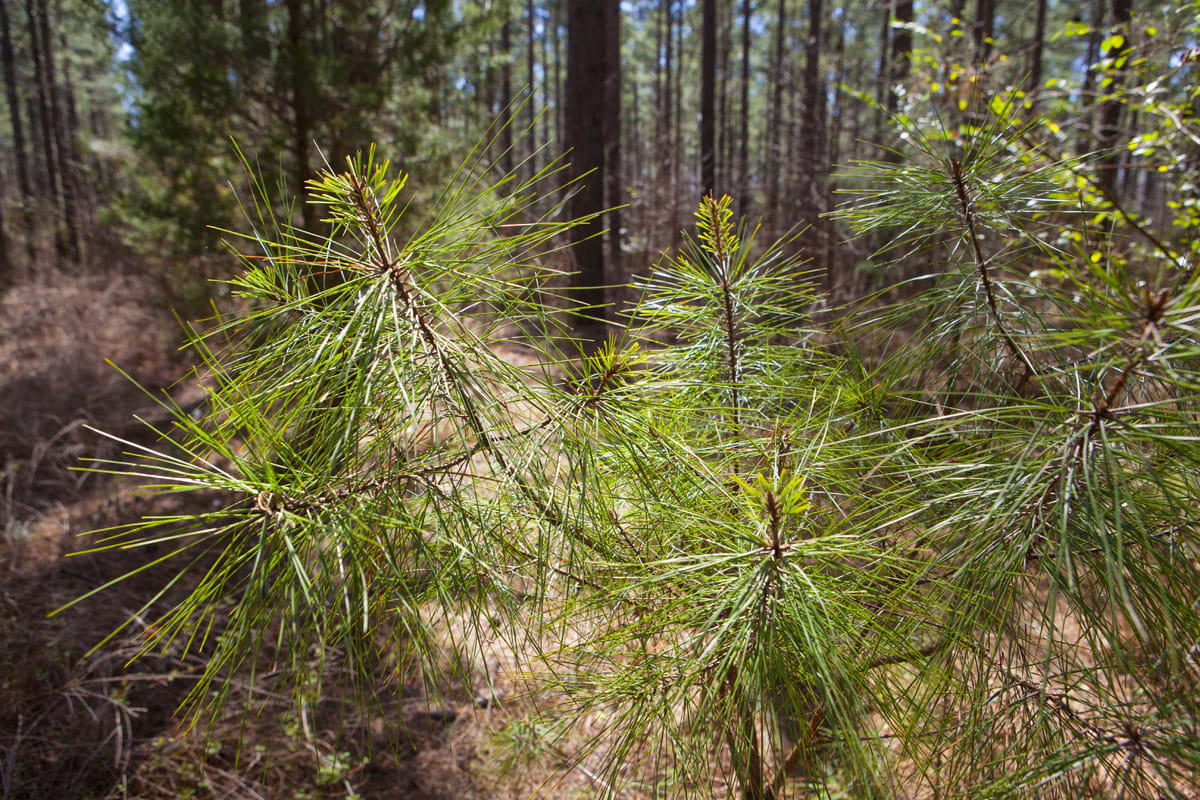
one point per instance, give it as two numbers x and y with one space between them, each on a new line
753 557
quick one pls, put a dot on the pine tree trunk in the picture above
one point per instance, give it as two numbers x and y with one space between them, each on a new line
744 133
614 195
530 64
41 127
83 188
883 89
1087 92
708 93
812 149
547 87
587 53
1109 133
773 157
724 139
984 30
506 137
300 81
677 146
1035 65
901 58
14 112
62 143
559 105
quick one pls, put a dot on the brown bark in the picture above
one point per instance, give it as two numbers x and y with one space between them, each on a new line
708 93
83 187
1087 93
812 127
301 88
62 143
614 196
41 127
983 30
506 139
1035 65
559 104
883 89
724 131
774 157
14 112
677 135
901 58
588 80
530 64
744 133
1109 133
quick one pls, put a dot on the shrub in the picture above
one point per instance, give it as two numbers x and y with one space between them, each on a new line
947 546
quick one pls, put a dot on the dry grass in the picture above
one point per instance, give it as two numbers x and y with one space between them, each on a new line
54 340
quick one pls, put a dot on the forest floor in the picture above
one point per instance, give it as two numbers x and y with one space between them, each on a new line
78 717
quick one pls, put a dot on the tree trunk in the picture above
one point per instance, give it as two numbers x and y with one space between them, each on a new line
1109 132
14 111
530 63
506 138
677 154
883 89
559 113
614 195
1035 60
1088 90
84 190
723 131
744 133
547 87
62 144
812 127
587 74
901 57
708 93
983 31
300 79
41 127
773 157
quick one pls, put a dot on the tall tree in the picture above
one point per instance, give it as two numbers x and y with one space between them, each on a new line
1035 58
724 116
63 145
708 86
275 77
1109 132
506 137
591 74
614 196
984 30
7 59
44 130
901 56
812 131
1087 92
773 157
300 66
531 80
744 133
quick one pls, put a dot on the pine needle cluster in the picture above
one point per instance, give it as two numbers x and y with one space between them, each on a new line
764 557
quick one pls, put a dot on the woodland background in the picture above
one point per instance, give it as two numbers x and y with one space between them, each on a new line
119 118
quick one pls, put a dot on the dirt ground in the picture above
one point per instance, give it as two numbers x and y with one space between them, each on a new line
78 717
